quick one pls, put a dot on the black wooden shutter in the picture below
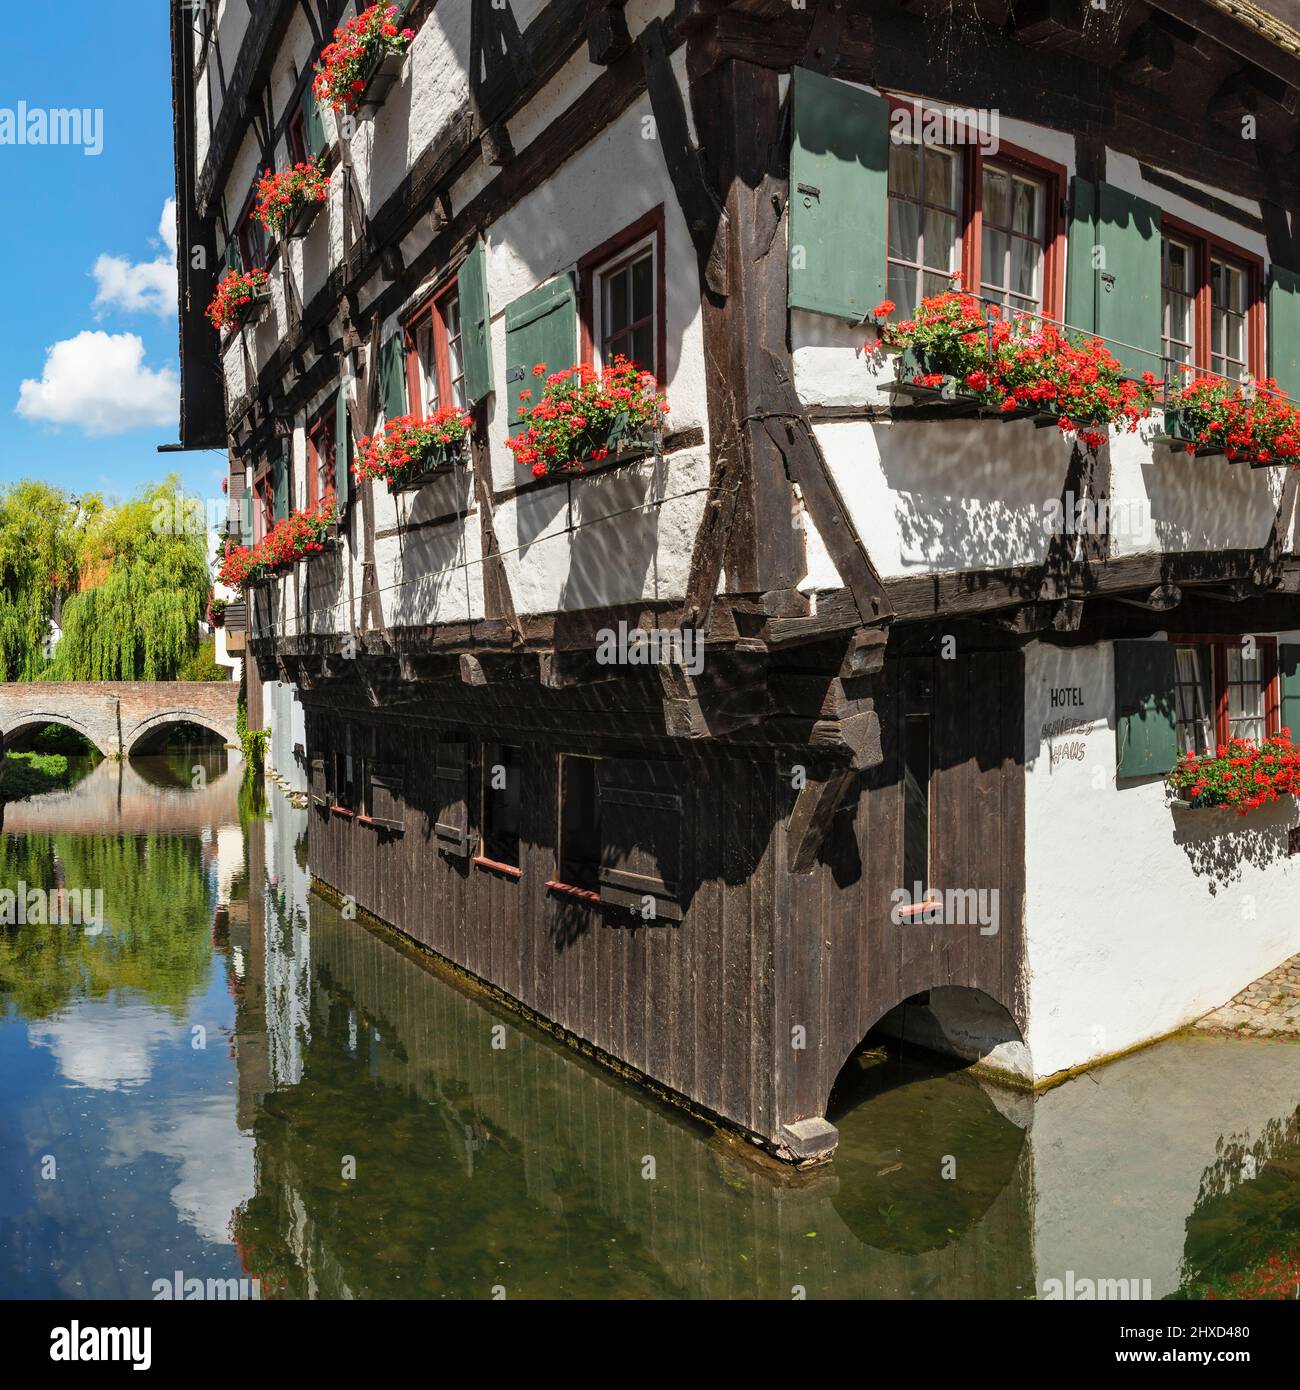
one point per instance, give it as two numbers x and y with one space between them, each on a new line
839 196
319 783
451 797
1146 728
388 796
642 836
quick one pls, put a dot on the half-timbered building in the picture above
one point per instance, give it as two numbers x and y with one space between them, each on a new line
912 775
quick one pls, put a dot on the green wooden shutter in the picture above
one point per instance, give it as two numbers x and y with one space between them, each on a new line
342 451
1080 277
839 196
475 324
1128 282
1288 679
541 327
1146 730
1284 330
234 261
313 124
280 485
392 376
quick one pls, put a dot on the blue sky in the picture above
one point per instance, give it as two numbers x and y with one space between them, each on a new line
88 358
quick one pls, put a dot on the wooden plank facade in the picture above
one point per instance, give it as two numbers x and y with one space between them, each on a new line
911 681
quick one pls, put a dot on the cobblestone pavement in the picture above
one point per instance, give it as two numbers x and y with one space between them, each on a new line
1270 1008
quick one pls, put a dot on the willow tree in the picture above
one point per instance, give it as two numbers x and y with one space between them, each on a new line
144 584
40 539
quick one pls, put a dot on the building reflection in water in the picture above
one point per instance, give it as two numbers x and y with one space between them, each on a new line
363 1127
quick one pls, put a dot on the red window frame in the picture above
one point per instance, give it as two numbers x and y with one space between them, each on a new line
1204 249
1052 175
433 308
320 455
1219 644
605 257
296 136
264 512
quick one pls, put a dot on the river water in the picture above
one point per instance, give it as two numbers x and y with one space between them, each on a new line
225 1080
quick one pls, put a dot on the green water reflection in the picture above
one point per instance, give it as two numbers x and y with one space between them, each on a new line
235 1081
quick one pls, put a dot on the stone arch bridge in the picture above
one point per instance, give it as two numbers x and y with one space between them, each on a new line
119 717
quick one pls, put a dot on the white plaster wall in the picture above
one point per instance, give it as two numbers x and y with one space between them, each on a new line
1139 918
949 494
283 713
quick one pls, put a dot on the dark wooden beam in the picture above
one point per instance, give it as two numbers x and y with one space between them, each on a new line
810 822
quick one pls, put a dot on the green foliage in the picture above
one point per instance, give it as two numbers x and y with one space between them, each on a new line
202 665
145 578
157 902
40 529
27 774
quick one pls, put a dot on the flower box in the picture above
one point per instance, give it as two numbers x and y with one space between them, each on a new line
300 223
587 417
251 310
387 68
438 462
357 70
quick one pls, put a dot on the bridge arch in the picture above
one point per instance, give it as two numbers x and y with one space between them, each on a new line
119 717
19 734
152 729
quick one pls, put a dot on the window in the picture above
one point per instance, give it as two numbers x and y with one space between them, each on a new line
578 858
1226 688
925 199
627 310
621 290
320 456
1177 300
296 136
1228 310
435 365
500 843
1011 257
1211 302
254 248
997 222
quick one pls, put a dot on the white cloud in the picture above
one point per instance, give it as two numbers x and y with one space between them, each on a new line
141 287
99 382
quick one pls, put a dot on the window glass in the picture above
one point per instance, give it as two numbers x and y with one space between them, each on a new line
579 857
1245 693
924 244
1177 291
455 362
627 316
1227 319
1012 211
1193 667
